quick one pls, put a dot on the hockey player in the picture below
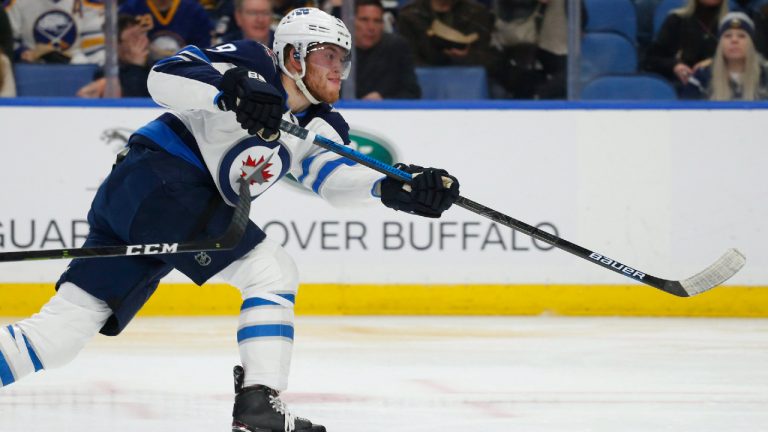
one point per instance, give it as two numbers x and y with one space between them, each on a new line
178 182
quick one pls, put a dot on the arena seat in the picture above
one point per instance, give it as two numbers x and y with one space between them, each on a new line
662 10
453 82
645 10
618 16
628 87
44 80
605 53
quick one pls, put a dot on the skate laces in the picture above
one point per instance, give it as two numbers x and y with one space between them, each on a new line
280 406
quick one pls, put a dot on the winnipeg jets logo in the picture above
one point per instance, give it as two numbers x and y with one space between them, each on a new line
256 172
252 160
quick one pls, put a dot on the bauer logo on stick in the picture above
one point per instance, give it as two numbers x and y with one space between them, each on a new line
617 265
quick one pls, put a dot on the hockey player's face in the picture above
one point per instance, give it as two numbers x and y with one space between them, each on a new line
325 68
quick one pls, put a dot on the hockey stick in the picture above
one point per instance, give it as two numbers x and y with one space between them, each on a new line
226 241
714 275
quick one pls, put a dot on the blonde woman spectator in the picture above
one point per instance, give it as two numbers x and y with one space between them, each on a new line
737 71
687 37
7 83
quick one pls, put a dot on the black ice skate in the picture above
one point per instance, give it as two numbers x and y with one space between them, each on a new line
259 409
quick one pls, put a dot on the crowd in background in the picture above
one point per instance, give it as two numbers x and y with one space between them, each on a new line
703 48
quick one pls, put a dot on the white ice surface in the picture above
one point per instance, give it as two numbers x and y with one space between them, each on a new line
396 374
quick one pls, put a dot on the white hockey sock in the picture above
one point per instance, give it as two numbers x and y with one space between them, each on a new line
52 337
268 280
17 356
265 336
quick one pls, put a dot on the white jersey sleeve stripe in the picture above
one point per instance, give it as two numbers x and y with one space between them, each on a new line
316 164
327 169
306 163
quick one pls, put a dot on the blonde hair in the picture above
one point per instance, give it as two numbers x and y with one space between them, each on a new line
3 62
720 87
690 8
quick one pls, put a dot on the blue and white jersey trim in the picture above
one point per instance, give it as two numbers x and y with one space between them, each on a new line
327 169
194 51
161 134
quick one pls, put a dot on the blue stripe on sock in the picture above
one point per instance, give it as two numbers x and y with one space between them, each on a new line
6 374
290 297
10 330
267 330
256 301
32 354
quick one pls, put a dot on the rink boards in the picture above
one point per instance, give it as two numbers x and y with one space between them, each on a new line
662 190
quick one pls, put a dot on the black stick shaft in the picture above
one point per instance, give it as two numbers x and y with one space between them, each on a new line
489 213
228 240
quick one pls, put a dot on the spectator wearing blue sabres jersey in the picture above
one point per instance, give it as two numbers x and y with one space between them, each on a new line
178 181
174 24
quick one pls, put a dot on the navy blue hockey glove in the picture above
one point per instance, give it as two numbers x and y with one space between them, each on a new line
258 106
431 192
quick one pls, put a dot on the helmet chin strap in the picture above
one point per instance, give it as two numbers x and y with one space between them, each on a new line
304 90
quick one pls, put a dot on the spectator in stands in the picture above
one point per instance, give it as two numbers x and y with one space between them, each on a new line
211 6
448 32
737 71
175 24
133 58
384 64
282 7
7 83
391 10
532 37
92 31
50 31
687 38
254 22
6 35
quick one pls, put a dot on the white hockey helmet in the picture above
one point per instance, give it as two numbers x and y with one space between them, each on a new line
303 27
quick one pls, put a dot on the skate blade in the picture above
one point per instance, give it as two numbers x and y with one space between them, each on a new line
238 427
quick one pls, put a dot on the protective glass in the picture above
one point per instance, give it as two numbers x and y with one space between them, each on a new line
331 57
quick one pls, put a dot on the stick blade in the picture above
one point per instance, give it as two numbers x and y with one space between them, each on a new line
720 271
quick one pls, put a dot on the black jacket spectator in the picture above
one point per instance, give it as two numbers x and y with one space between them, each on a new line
6 35
386 68
684 39
465 16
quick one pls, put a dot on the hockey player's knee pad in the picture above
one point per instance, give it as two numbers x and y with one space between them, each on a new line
266 272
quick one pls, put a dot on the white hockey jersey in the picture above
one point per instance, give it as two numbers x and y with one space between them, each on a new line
200 133
72 27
